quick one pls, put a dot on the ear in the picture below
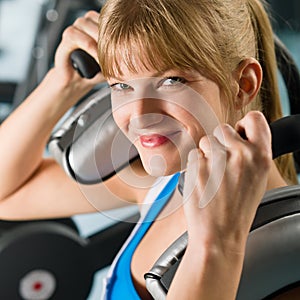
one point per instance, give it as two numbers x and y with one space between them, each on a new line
248 76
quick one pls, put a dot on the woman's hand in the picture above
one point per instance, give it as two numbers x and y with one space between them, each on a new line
225 182
82 34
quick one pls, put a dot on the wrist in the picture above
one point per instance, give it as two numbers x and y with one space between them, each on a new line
62 93
214 245
68 86
206 264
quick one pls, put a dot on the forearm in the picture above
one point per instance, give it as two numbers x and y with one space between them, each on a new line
24 134
211 273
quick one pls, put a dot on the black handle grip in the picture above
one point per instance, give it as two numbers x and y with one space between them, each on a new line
285 135
85 64
285 139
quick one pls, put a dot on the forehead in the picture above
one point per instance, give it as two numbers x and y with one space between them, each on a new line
136 54
135 65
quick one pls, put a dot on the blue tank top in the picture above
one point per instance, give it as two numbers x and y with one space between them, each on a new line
120 284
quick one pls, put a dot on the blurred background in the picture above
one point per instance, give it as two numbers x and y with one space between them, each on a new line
30 31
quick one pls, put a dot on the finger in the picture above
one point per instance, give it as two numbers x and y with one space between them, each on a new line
215 166
256 129
227 136
192 172
209 145
93 15
74 38
87 26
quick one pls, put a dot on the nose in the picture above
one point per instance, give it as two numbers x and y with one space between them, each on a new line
145 113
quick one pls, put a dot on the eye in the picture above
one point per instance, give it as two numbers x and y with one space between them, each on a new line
172 81
120 87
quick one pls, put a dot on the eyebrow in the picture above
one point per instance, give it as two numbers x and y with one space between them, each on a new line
156 74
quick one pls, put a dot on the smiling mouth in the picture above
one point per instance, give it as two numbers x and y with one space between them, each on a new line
153 140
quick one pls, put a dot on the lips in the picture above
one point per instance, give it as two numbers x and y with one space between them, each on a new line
153 140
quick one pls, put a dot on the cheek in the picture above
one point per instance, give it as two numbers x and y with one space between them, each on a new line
200 114
120 111
121 119
195 127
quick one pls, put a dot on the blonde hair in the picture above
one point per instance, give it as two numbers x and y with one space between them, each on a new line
210 36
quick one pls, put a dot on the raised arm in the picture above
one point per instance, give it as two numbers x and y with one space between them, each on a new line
220 208
31 186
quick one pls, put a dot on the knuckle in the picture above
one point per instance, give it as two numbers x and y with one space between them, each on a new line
256 118
255 115
79 21
90 14
221 130
224 127
89 44
69 31
204 143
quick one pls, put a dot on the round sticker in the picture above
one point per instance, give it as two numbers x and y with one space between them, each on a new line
37 285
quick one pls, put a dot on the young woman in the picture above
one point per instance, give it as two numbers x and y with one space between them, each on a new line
193 86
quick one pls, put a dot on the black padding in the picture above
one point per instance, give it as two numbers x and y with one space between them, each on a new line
6 225
272 260
280 292
285 135
85 64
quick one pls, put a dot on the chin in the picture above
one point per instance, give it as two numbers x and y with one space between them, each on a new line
157 165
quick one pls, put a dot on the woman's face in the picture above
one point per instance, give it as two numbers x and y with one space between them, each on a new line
165 114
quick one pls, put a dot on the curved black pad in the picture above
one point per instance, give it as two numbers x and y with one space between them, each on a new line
85 64
285 135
